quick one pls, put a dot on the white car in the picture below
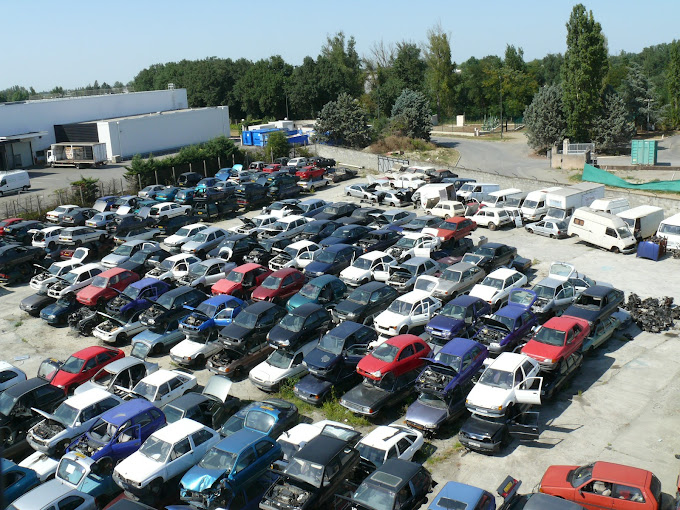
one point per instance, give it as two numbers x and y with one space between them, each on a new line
564 272
184 234
509 380
492 218
80 235
100 220
392 217
495 288
390 442
138 234
206 273
195 352
44 466
447 209
280 366
412 310
292 440
10 375
414 244
54 494
282 225
166 454
365 268
427 283
116 330
46 238
43 280
403 276
168 210
164 386
73 417
119 376
406 180
56 215
314 183
291 255
173 268
150 191
253 225
76 279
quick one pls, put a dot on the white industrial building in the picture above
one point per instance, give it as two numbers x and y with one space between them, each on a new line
129 124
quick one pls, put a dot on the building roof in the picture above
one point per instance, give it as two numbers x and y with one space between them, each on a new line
180 429
321 449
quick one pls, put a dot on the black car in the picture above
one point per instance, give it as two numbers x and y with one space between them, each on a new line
489 256
321 162
234 247
347 234
419 223
170 226
274 244
252 324
210 211
58 312
299 326
369 397
281 185
17 414
365 302
123 224
250 195
313 475
13 255
341 174
316 230
16 273
458 247
19 232
336 211
189 179
398 485
378 240
34 303
170 306
258 255
596 303
77 217
360 216
145 260
289 204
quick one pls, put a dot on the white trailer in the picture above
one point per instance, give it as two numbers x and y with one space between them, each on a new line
77 154
562 203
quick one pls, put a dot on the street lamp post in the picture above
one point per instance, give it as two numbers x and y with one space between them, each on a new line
500 86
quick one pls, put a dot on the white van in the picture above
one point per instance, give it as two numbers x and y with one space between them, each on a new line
500 197
610 205
13 182
643 220
670 229
602 229
535 207
476 190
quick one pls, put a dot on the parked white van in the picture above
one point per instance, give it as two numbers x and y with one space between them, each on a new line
476 190
610 205
13 182
643 220
602 229
500 198
535 207
670 229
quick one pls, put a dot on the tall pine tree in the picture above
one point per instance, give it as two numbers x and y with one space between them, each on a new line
673 86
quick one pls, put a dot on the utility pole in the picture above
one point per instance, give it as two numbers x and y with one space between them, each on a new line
500 84
649 102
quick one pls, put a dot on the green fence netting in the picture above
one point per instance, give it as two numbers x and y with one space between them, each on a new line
593 174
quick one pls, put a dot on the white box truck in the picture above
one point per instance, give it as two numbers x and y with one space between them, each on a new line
602 229
563 202
643 220
670 229
79 155
534 206
431 194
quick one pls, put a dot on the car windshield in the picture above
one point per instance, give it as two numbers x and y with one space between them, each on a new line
497 378
73 365
260 421
667 228
360 297
280 359
454 311
331 210
471 258
624 232
66 414
362 263
156 449
400 307
101 282
331 343
207 309
506 321
246 320
496 283
235 276
233 424
372 454
450 360
70 277
198 269
530 204
306 471
561 269
7 403
325 256
218 460
310 291
452 276
544 292
292 252
580 475
420 222
166 300
183 232
271 282
385 352
61 209
487 251
123 249
103 378
132 292
406 242
145 390
201 237
432 401
374 497
70 471
292 322
54 269
314 227
550 336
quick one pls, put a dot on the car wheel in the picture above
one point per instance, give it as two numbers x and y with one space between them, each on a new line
446 216
348 194
60 450
200 361
311 189
51 246
615 249
155 486
403 330
79 242
492 226
552 236
122 338
157 350
428 212
101 303
530 230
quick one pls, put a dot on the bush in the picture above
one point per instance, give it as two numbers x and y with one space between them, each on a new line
411 115
393 143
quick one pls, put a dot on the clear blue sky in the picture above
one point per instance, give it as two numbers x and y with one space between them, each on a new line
76 42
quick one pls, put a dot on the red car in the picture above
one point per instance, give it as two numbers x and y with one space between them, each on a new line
241 281
7 223
309 172
82 365
279 285
105 285
398 355
556 340
456 228
604 485
274 167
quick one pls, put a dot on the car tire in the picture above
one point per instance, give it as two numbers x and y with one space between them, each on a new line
552 236
155 486
615 249
348 194
60 450
492 226
122 338
311 189
79 243
51 246
429 213
446 216
530 230
157 350
200 361
403 330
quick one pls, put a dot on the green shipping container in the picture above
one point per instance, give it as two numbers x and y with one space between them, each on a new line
643 152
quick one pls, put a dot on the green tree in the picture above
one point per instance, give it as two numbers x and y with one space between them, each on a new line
303 90
585 68
439 73
612 128
544 118
343 122
409 67
260 89
638 96
339 68
86 187
411 112
277 145
672 114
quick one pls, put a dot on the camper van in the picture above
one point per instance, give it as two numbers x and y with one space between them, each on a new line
500 197
476 190
13 182
643 220
670 229
610 205
602 229
535 206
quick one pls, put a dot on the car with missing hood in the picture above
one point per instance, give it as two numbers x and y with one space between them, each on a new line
364 303
270 417
403 276
552 297
120 376
363 268
145 260
457 318
59 311
378 240
139 295
212 314
41 281
280 366
390 442
496 287
291 253
173 267
170 306
282 227
413 243
206 273
76 279
234 247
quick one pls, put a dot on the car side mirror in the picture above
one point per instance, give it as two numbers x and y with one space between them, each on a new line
78 424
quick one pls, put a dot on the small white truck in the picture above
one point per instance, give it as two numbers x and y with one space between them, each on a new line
79 155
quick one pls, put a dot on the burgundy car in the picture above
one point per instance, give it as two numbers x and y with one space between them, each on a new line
105 286
280 285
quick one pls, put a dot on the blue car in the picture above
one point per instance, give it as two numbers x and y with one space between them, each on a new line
139 295
456 319
322 290
332 259
168 194
270 417
503 330
103 204
81 473
213 313
224 173
231 464
463 496
347 234
445 383
58 312
206 183
185 196
17 480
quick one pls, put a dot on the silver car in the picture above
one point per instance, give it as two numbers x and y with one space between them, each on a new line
126 250
204 241
552 296
206 273
458 279
101 220
550 228
80 235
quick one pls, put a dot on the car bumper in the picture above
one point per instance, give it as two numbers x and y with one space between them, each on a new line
356 409
183 360
315 400
484 411
268 386
105 336
485 446
383 331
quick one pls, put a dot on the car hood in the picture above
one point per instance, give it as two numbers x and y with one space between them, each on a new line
354 273
347 307
487 397
484 292
425 415
370 364
191 245
363 395
542 351
281 335
263 294
298 300
319 358
446 323
62 378
199 479
314 385
36 301
224 286
318 267
90 292
137 467
235 332
556 476
175 239
481 427
387 319
113 260
269 374
186 348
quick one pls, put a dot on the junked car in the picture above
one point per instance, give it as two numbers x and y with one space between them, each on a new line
363 268
364 303
456 319
47 238
206 273
80 235
458 279
557 340
413 243
173 268
269 417
596 303
183 235
118 328
120 376
213 313
163 386
496 287
552 297
41 281
280 366
290 254
550 228
204 241
390 442
403 276
406 313
122 253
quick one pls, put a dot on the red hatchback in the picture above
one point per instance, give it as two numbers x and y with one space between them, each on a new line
105 285
241 281
398 355
82 365
279 285
556 340
7 223
274 167
604 485
456 228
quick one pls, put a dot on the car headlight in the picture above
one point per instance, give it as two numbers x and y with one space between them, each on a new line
61 386
494 344
352 315
377 373
548 360
51 317
152 321
304 363
429 329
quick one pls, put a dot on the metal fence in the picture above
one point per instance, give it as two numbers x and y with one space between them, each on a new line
385 164
580 148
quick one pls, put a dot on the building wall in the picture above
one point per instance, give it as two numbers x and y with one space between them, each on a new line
163 131
42 115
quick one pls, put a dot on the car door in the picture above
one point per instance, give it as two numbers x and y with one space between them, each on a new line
181 458
128 438
565 296
595 495
246 466
405 447
421 313
406 360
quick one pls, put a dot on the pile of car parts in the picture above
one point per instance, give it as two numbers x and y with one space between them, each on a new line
652 314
